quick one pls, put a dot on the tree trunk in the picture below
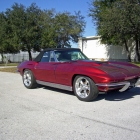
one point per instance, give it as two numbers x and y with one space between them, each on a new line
139 48
137 51
30 55
128 52
2 57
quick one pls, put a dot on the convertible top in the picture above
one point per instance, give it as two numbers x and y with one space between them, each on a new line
60 49
38 58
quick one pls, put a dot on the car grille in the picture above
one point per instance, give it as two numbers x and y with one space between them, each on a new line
133 81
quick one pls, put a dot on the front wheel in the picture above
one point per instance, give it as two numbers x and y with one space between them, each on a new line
29 79
84 88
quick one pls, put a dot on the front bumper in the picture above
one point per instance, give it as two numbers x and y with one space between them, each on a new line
122 86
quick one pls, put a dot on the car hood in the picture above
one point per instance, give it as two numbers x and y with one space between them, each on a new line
116 69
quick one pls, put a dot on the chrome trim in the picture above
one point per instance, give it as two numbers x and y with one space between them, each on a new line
112 84
137 83
125 85
69 88
102 92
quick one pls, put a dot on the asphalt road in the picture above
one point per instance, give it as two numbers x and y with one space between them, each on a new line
50 114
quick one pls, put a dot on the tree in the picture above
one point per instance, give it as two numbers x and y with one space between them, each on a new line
2 34
25 28
60 29
48 36
118 22
68 28
13 18
5 35
32 33
32 29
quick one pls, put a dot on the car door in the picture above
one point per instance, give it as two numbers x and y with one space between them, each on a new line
64 69
45 69
64 73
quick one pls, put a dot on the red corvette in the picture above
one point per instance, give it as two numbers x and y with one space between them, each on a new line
70 69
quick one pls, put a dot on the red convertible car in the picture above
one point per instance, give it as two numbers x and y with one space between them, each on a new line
70 69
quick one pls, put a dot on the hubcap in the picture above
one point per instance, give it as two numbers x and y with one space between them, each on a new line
27 78
82 87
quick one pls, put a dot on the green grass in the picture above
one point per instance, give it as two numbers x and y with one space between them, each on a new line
9 64
136 63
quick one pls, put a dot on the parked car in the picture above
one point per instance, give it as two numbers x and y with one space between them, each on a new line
70 69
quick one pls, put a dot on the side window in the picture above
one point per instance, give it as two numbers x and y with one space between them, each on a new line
74 56
52 57
45 57
63 56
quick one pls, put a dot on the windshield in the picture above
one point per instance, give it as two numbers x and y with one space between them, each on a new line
70 55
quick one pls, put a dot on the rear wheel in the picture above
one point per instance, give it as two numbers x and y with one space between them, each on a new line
29 79
84 88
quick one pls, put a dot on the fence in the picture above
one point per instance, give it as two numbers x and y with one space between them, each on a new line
18 57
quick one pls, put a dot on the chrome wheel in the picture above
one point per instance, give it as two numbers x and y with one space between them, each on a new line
82 87
27 78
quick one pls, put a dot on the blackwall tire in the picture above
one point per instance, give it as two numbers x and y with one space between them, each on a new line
84 88
29 79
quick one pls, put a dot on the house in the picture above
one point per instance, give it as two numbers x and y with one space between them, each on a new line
94 49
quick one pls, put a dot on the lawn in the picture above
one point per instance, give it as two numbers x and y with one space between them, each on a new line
12 69
9 64
137 63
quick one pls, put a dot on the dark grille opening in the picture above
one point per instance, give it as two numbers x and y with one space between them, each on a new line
133 81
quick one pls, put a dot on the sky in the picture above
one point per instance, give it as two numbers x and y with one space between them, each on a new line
60 6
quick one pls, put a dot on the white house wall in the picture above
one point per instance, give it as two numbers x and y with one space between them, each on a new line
93 49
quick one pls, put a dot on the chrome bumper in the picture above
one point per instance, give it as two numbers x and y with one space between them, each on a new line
123 85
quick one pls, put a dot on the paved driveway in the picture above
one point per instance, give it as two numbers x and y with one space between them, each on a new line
49 114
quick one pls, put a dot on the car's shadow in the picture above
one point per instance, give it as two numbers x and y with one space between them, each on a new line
110 96
57 90
119 96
